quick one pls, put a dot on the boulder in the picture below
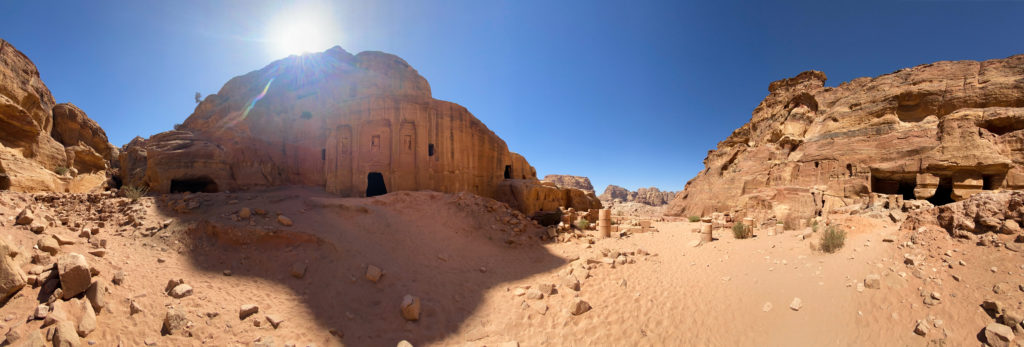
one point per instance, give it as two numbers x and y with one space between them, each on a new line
247 310
97 295
180 291
49 245
12 279
74 274
998 335
578 307
373 273
65 335
87 324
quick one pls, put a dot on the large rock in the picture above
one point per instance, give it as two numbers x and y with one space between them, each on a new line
356 125
72 127
941 131
998 335
12 279
75 277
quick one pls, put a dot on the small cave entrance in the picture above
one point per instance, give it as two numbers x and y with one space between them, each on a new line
508 171
375 184
894 185
5 182
944 192
115 182
202 184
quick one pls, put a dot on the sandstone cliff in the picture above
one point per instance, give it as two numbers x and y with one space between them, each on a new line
357 125
570 181
648 196
40 138
939 132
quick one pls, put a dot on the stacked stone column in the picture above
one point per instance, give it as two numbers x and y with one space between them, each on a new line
604 222
705 229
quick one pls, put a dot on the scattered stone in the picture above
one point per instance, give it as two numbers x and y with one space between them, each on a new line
41 311
298 270
100 252
1001 288
61 240
534 294
766 307
24 218
548 288
134 307
175 323
88 322
37 228
410 308
284 220
247 310
404 343
65 334
180 291
921 328
244 213
118 278
796 304
274 321
570 281
873 281
578 307
74 273
373 273
49 245
97 295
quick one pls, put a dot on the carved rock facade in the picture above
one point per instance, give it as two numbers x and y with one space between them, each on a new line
357 125
939 132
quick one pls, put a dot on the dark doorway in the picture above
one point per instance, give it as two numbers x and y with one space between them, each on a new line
894 185
202 184
944 193
508 171
375 184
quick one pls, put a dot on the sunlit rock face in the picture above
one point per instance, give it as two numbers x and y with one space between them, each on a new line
39 137
357 125
939 132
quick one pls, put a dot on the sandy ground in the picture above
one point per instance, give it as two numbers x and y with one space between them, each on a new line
467 258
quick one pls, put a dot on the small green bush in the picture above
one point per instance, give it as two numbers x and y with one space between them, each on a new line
814 226
832 239
133 192
582 224
61 171
694 218
741 231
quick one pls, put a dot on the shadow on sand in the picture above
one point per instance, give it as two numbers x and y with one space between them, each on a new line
448 250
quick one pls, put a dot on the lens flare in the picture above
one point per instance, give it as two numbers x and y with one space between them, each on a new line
257 98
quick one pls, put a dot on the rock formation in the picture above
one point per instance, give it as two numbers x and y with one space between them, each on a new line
40 140
357 125
647 196
939 132
569 181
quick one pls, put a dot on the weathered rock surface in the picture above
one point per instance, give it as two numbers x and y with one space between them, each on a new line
942 132
12 279
647 196
29 149
357 125
570 181
75 277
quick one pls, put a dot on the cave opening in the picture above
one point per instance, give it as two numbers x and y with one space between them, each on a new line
944 192
375 184
5 182
989 182
894 185
508 171
201 184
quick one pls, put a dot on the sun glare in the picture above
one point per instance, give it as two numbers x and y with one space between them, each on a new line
301 31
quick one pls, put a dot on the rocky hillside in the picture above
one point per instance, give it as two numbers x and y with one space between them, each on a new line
938 132
648 196
570 181
45 146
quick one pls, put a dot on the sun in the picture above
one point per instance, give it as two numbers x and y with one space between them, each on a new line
299 31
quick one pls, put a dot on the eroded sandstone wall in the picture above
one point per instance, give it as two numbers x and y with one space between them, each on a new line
357 125
940 132
39 138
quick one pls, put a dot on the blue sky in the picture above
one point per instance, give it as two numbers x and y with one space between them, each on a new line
632 93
